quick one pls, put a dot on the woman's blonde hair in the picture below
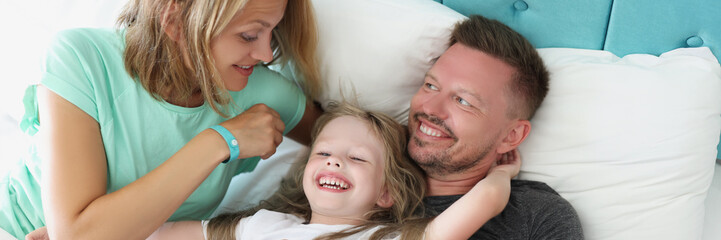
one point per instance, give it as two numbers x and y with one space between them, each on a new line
157 61
402 178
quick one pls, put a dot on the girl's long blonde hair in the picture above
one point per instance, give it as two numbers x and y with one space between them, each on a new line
157 61
402 178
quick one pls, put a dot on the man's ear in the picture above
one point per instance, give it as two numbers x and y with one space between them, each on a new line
385 200
170 21
514 136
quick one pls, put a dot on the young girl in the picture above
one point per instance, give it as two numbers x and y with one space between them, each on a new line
356 184
123 116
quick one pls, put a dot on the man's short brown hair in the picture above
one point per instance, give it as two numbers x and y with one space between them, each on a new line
529 84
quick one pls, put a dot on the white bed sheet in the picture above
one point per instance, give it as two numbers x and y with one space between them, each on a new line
712 221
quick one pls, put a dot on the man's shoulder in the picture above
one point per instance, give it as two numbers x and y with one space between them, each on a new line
534 211
532 191
538 211
523 186
532 197
525 195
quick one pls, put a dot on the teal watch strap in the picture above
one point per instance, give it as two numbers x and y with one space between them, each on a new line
230 140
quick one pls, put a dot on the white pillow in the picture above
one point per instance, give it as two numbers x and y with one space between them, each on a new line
630 142
377 51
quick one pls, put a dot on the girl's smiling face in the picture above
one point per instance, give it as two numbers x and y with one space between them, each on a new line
245 41
343 178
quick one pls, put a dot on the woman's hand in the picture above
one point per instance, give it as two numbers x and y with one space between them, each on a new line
259 131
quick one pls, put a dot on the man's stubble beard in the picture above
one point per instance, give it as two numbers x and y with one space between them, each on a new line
441 164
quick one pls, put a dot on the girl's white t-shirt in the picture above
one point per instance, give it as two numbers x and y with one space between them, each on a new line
272 225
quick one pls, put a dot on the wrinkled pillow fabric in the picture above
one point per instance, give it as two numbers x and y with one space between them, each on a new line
630 142
376 52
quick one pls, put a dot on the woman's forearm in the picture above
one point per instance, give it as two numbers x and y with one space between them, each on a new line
74 190
136 210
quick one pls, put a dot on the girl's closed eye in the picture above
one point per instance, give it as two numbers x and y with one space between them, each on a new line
355 158
324 154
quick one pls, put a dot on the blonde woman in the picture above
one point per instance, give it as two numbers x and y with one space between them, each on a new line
149 122
356 183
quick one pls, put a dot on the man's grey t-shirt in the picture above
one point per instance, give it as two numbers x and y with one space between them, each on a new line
534 211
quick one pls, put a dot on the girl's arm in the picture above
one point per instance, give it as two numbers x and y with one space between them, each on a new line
75 201
485 200
190 230
186 230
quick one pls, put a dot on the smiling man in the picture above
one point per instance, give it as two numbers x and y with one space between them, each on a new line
475 106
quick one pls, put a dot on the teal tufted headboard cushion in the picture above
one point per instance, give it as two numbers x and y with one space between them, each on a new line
619 26
551 24
655 26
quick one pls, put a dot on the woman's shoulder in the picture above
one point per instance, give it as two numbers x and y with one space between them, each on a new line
85 66
88 34
73 51
262 74
88 39
274 90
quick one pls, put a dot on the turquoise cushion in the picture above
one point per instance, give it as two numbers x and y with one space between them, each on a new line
647 26
559 23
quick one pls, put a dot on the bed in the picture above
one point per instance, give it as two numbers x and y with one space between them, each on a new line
629 132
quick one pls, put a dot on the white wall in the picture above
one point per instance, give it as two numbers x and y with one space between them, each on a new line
26 28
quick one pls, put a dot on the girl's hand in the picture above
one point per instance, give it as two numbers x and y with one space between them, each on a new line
185 230
259 131
38 234
484 201
509 162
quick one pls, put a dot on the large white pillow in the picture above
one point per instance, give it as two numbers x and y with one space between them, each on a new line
630 142
372 51
377 51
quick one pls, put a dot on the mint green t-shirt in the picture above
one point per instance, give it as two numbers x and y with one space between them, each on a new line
85 67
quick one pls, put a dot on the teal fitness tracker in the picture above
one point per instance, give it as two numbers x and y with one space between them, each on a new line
230 140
